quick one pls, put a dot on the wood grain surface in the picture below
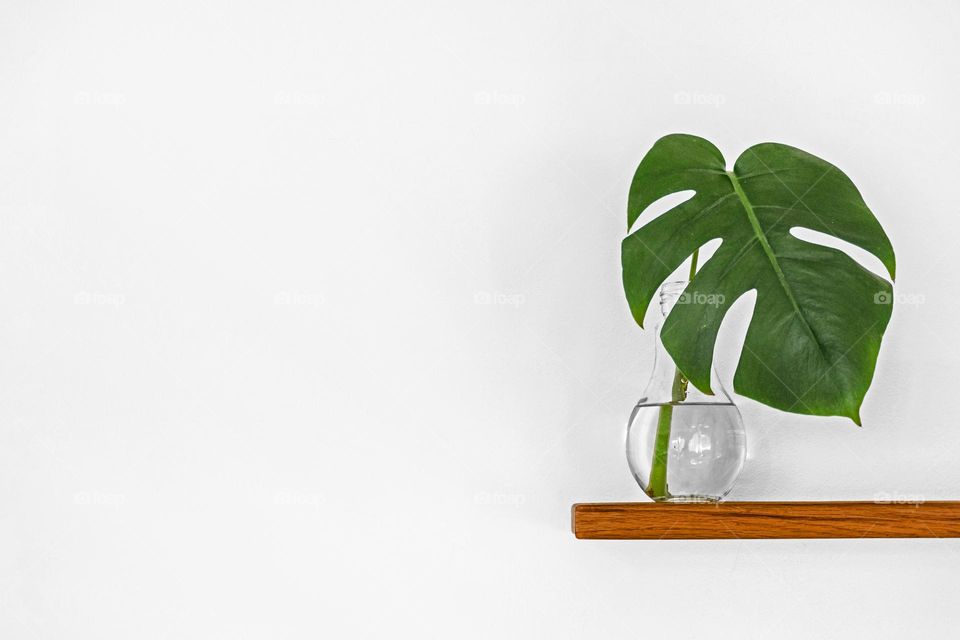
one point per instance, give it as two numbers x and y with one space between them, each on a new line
752 520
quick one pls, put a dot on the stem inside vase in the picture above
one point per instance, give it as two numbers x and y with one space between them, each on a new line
661 447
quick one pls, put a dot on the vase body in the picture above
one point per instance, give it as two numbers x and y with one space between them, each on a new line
682 444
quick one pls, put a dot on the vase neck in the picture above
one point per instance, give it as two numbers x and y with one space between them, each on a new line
662 385
670 292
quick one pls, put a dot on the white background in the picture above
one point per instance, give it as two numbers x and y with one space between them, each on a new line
312 324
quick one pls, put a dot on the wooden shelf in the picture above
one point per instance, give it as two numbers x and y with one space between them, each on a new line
752 520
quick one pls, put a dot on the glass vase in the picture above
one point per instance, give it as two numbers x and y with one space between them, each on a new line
682 444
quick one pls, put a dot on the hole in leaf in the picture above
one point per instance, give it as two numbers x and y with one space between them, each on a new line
731 337
659 207
706 252
863 257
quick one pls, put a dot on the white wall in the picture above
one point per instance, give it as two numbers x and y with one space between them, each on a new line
312 324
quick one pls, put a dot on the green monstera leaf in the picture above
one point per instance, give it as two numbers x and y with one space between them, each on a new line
819 317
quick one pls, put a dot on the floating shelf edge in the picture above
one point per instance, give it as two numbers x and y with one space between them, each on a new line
765 520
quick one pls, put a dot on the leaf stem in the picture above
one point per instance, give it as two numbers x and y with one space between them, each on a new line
693 263
657 487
